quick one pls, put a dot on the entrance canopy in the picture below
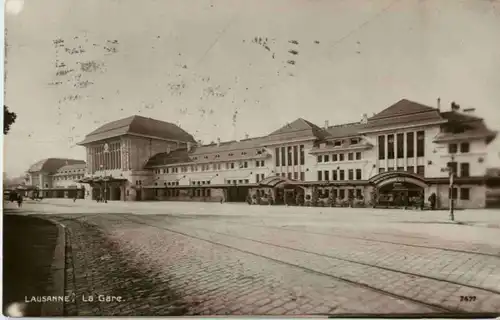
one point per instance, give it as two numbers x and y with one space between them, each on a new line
277 182
400 178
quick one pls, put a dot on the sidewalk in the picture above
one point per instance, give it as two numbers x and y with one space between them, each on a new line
28 260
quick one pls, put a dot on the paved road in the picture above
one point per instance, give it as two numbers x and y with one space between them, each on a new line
205 258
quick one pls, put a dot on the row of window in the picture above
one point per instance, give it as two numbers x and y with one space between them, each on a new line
464 147
464 193
339 175
352 141
169 183
411 169
295 175
238 181
464 168
101 159
230 154
339 157
259 177
208 167
289 156
200 182
72 177
396 145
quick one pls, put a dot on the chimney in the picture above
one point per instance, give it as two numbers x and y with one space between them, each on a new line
189 145
247 136
439 104
455 106
218 142
168 150
327 124
364 120
200 142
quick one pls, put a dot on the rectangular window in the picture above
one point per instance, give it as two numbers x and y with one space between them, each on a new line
302 176
290 156
334 157
354 141
342 194
464 147
351 174
326 173
453 166
320 158
296 175
302 154
401 169
381 147
359 175
295 155
277 152
421 144
390 146
341 175
464 170
381 170
359 194
257 178
358 155
421 171
341 157
335 193
390 169
350 156
257 163
289 175
452 148
454 193
320 175
283 156
326 158
334 175
464 194
410 153
400 145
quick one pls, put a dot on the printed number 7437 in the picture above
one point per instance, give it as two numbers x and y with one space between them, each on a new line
468 298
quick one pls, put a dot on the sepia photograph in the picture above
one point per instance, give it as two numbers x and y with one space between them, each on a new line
332 158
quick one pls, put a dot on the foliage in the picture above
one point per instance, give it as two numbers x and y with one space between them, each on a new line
8 119
299 199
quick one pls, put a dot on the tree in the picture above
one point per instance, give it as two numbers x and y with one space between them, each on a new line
8 119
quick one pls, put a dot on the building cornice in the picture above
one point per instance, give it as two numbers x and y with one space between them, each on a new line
400 127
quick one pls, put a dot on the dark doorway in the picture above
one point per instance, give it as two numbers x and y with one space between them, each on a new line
400 194
237 194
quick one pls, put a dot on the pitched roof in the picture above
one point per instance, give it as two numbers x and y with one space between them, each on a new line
345 130
51 165
226 151
138 125
298 129
72 168
402 107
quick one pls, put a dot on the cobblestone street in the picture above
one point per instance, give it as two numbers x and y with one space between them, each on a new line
205 258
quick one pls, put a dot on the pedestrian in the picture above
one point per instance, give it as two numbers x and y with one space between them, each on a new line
19 201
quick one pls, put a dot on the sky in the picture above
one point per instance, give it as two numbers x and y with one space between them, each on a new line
223 68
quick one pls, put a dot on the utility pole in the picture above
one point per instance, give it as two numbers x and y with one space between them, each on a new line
452 201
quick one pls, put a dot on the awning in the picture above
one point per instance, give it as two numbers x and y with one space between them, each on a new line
278 182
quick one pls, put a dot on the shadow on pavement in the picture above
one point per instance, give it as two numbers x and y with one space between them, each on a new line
28 249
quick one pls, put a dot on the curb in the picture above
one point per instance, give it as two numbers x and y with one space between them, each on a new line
57 272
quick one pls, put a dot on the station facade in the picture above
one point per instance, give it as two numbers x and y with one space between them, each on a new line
405 151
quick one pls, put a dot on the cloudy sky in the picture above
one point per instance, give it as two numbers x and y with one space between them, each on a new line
223 68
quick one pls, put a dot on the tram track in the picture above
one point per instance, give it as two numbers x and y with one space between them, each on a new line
433 306
349 237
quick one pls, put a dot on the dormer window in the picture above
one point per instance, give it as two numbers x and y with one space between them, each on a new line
354 140
230 154
337 143
217 156
243 153
206 157
195 158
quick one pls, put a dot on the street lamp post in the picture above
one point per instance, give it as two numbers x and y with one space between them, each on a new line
106 150
452 202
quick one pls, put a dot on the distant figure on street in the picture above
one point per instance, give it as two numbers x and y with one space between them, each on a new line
74 199
432 200
19 200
